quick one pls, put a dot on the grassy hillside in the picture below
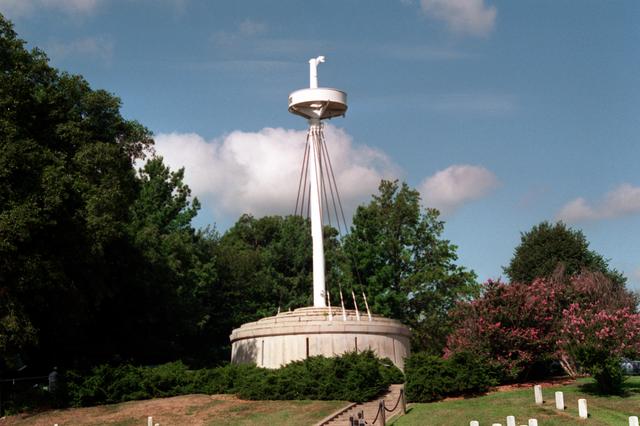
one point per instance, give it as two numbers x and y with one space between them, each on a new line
495 407
192 410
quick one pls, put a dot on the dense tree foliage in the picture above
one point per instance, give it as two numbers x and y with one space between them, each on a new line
98 262
66 184
547 246
407 269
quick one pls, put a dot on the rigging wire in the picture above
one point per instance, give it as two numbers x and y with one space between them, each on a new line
325 177
353 260
306 192
322 178
331 179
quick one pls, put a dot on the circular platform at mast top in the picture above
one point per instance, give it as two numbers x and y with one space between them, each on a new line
319 103
290 336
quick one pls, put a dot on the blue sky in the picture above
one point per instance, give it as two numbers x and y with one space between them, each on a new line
502 113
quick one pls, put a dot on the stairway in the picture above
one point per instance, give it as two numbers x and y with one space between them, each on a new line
370 410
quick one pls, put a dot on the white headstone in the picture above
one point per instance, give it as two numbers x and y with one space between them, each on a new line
533 422
559 400
497 424
149 421
582 409
633 421
537 392
511 421
474 423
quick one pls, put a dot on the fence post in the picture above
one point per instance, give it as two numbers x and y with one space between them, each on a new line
404 402
383 413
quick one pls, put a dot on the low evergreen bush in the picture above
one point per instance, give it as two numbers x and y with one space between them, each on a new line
430 378
351 377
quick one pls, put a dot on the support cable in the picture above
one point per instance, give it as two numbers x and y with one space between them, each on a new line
303 177
322 178
325 177
353 260
332 184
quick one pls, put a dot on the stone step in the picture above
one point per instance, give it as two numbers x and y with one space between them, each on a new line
370 409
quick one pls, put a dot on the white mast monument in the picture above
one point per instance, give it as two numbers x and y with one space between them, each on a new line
308 331
317 104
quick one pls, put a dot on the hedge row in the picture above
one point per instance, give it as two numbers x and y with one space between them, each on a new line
351 377
430 377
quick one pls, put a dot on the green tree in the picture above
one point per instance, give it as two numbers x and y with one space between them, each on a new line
408 271
66 185
265 265
548 246
172 269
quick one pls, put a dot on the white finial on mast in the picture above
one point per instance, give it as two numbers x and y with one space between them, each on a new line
313 71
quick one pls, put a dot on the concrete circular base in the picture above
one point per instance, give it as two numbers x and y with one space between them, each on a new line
290 336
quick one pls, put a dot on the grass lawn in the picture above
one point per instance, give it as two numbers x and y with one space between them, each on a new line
495 407
191 410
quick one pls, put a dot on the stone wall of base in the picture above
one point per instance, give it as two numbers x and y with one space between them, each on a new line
275 341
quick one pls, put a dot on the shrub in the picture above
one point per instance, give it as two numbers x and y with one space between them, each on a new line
351 377
430 377
609 375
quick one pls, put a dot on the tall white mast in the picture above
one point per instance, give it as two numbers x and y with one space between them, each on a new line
317 104
315 205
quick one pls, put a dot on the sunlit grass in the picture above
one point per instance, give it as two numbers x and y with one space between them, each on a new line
495 407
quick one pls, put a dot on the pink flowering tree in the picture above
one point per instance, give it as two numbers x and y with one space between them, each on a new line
514 325
574 320
596 338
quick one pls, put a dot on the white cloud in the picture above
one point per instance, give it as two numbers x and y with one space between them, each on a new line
449 189
27 7
258 172
622 201
472 17
97 47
